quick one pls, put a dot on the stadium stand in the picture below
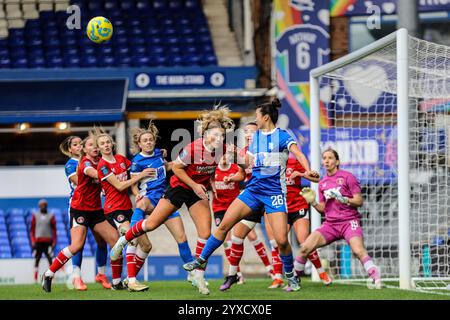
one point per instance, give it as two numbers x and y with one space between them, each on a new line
15 233
33 34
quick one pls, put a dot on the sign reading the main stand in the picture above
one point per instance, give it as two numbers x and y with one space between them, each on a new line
178 81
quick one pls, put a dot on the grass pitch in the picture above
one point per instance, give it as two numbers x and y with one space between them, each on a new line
253 289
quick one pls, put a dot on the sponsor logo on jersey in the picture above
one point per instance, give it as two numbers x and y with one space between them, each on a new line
206 169
104 170
87 164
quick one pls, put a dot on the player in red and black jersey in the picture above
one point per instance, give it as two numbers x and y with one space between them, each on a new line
113 174
192 173
85 211
299 214
226 188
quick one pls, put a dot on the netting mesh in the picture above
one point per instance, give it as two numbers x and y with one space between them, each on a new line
361 101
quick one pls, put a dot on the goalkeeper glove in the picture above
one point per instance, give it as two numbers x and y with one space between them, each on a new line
309 195
338 196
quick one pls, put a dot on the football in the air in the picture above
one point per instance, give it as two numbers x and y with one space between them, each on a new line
99 29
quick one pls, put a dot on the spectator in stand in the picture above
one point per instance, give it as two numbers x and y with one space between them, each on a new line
42 235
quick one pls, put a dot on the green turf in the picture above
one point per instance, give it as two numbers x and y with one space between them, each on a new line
254 289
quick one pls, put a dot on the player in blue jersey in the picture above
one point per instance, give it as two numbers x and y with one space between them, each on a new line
149 191
71 147
266 189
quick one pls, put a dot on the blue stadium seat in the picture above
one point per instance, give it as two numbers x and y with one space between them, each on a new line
190 49
157 60
54 62
94 5
5 247
140 61
2 228
71 61
106 50
106 61
122 50
15 212
20 234
154 40
89 61
19 62
160 5
191 60
18 52
5 255
2 213
20 240
208 59
36 62
36 51
143 6
139 49
174 49
23 254
111 4
4 242
17 226
12 219
174 60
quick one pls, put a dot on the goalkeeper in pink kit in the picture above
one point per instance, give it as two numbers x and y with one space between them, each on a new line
339 198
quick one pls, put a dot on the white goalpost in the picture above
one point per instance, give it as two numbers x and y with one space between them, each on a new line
389 109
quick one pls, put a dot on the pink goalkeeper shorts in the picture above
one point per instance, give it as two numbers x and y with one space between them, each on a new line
340 230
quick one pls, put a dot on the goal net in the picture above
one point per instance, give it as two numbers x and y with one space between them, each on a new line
360 94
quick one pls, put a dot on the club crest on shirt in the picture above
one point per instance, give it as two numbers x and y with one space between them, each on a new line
122 165
217 221
120 218
340 181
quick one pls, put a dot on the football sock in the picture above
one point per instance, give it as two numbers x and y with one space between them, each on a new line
288 263
315 260
131 263
261 250
135 231
236 252
63 256
211 245
185 252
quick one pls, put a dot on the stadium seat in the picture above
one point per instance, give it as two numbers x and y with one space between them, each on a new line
4 242
17 226
3 228
5 255
18 234
15 219
15 212
23 254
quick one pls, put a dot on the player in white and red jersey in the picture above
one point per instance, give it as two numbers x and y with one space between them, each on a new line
85 211
192 173
298 213
71 147
339 198
113 174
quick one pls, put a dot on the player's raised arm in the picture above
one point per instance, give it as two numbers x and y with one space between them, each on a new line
293 148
